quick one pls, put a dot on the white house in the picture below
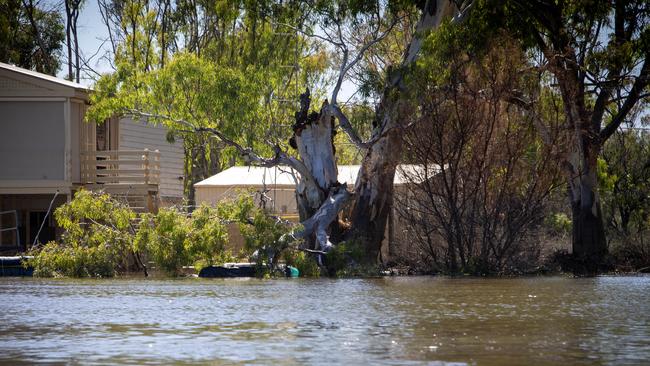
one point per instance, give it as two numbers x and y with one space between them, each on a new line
47 150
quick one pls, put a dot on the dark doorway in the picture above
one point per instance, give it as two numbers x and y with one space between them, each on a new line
47 232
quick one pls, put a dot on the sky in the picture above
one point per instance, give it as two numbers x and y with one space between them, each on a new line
92 34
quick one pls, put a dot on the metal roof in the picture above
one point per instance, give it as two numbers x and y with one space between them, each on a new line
283 176
41 76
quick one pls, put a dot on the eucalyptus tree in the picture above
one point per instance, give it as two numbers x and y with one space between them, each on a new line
226 96
595 54
239 36
30 35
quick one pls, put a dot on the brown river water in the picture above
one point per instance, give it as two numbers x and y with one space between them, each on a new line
395 321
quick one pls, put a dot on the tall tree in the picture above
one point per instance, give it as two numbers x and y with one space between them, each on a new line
225 99
30 35
595 54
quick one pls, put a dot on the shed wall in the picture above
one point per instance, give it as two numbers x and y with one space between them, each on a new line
281 200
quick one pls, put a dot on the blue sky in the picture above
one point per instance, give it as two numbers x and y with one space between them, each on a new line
92 33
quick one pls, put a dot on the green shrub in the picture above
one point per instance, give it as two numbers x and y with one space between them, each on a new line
267 237
96 243
264 235
208 238
344 259
560 223
166 238
306 264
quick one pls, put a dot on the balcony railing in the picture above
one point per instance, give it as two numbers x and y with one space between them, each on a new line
121 167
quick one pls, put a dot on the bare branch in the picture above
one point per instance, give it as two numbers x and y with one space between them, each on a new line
347 127
280 157
312 35
639 85
345 67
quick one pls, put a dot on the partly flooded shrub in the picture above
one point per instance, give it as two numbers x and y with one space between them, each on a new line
165 237
306 264
266 237
172 239
345 260
208 238
97 240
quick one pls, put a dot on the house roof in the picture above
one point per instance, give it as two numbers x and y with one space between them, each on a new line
41 76
16 82
283 176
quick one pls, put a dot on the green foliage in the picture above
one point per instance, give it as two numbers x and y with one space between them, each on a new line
166 237
19 43
559 222
305 263
238 209
344 259
233 77
267 237
100 237
97 240
208 238
173 240
73 260
624 179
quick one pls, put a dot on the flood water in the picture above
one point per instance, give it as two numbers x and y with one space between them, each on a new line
415 320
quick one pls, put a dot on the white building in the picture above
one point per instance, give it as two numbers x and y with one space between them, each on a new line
46 147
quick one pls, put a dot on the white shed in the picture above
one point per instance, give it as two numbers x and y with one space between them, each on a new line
279 184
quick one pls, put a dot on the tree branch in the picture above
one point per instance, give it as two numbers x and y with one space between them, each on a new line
280 157
345 67
326 214
639 84
347 127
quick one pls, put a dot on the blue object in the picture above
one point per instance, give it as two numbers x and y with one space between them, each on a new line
292 271
13 267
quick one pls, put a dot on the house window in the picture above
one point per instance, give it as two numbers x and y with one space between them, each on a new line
103 136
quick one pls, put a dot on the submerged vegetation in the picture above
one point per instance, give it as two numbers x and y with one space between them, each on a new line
103 237
97 242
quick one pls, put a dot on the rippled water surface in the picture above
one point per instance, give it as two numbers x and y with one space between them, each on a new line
420 320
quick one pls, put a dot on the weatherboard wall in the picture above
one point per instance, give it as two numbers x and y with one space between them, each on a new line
138 135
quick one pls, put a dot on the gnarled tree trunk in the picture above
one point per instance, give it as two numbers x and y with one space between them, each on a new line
374 187
589 244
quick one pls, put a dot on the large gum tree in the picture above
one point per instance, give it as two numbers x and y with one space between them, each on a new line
596 56
192 94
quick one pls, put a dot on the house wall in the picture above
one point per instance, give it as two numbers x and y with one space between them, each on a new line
282 200
137 135
77 111
32 156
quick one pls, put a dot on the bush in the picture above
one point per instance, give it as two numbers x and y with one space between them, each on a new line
344 260
165 236
306 264
266 237
97 240
208 238
99 237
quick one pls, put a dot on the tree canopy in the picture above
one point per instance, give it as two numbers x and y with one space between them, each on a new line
30 36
